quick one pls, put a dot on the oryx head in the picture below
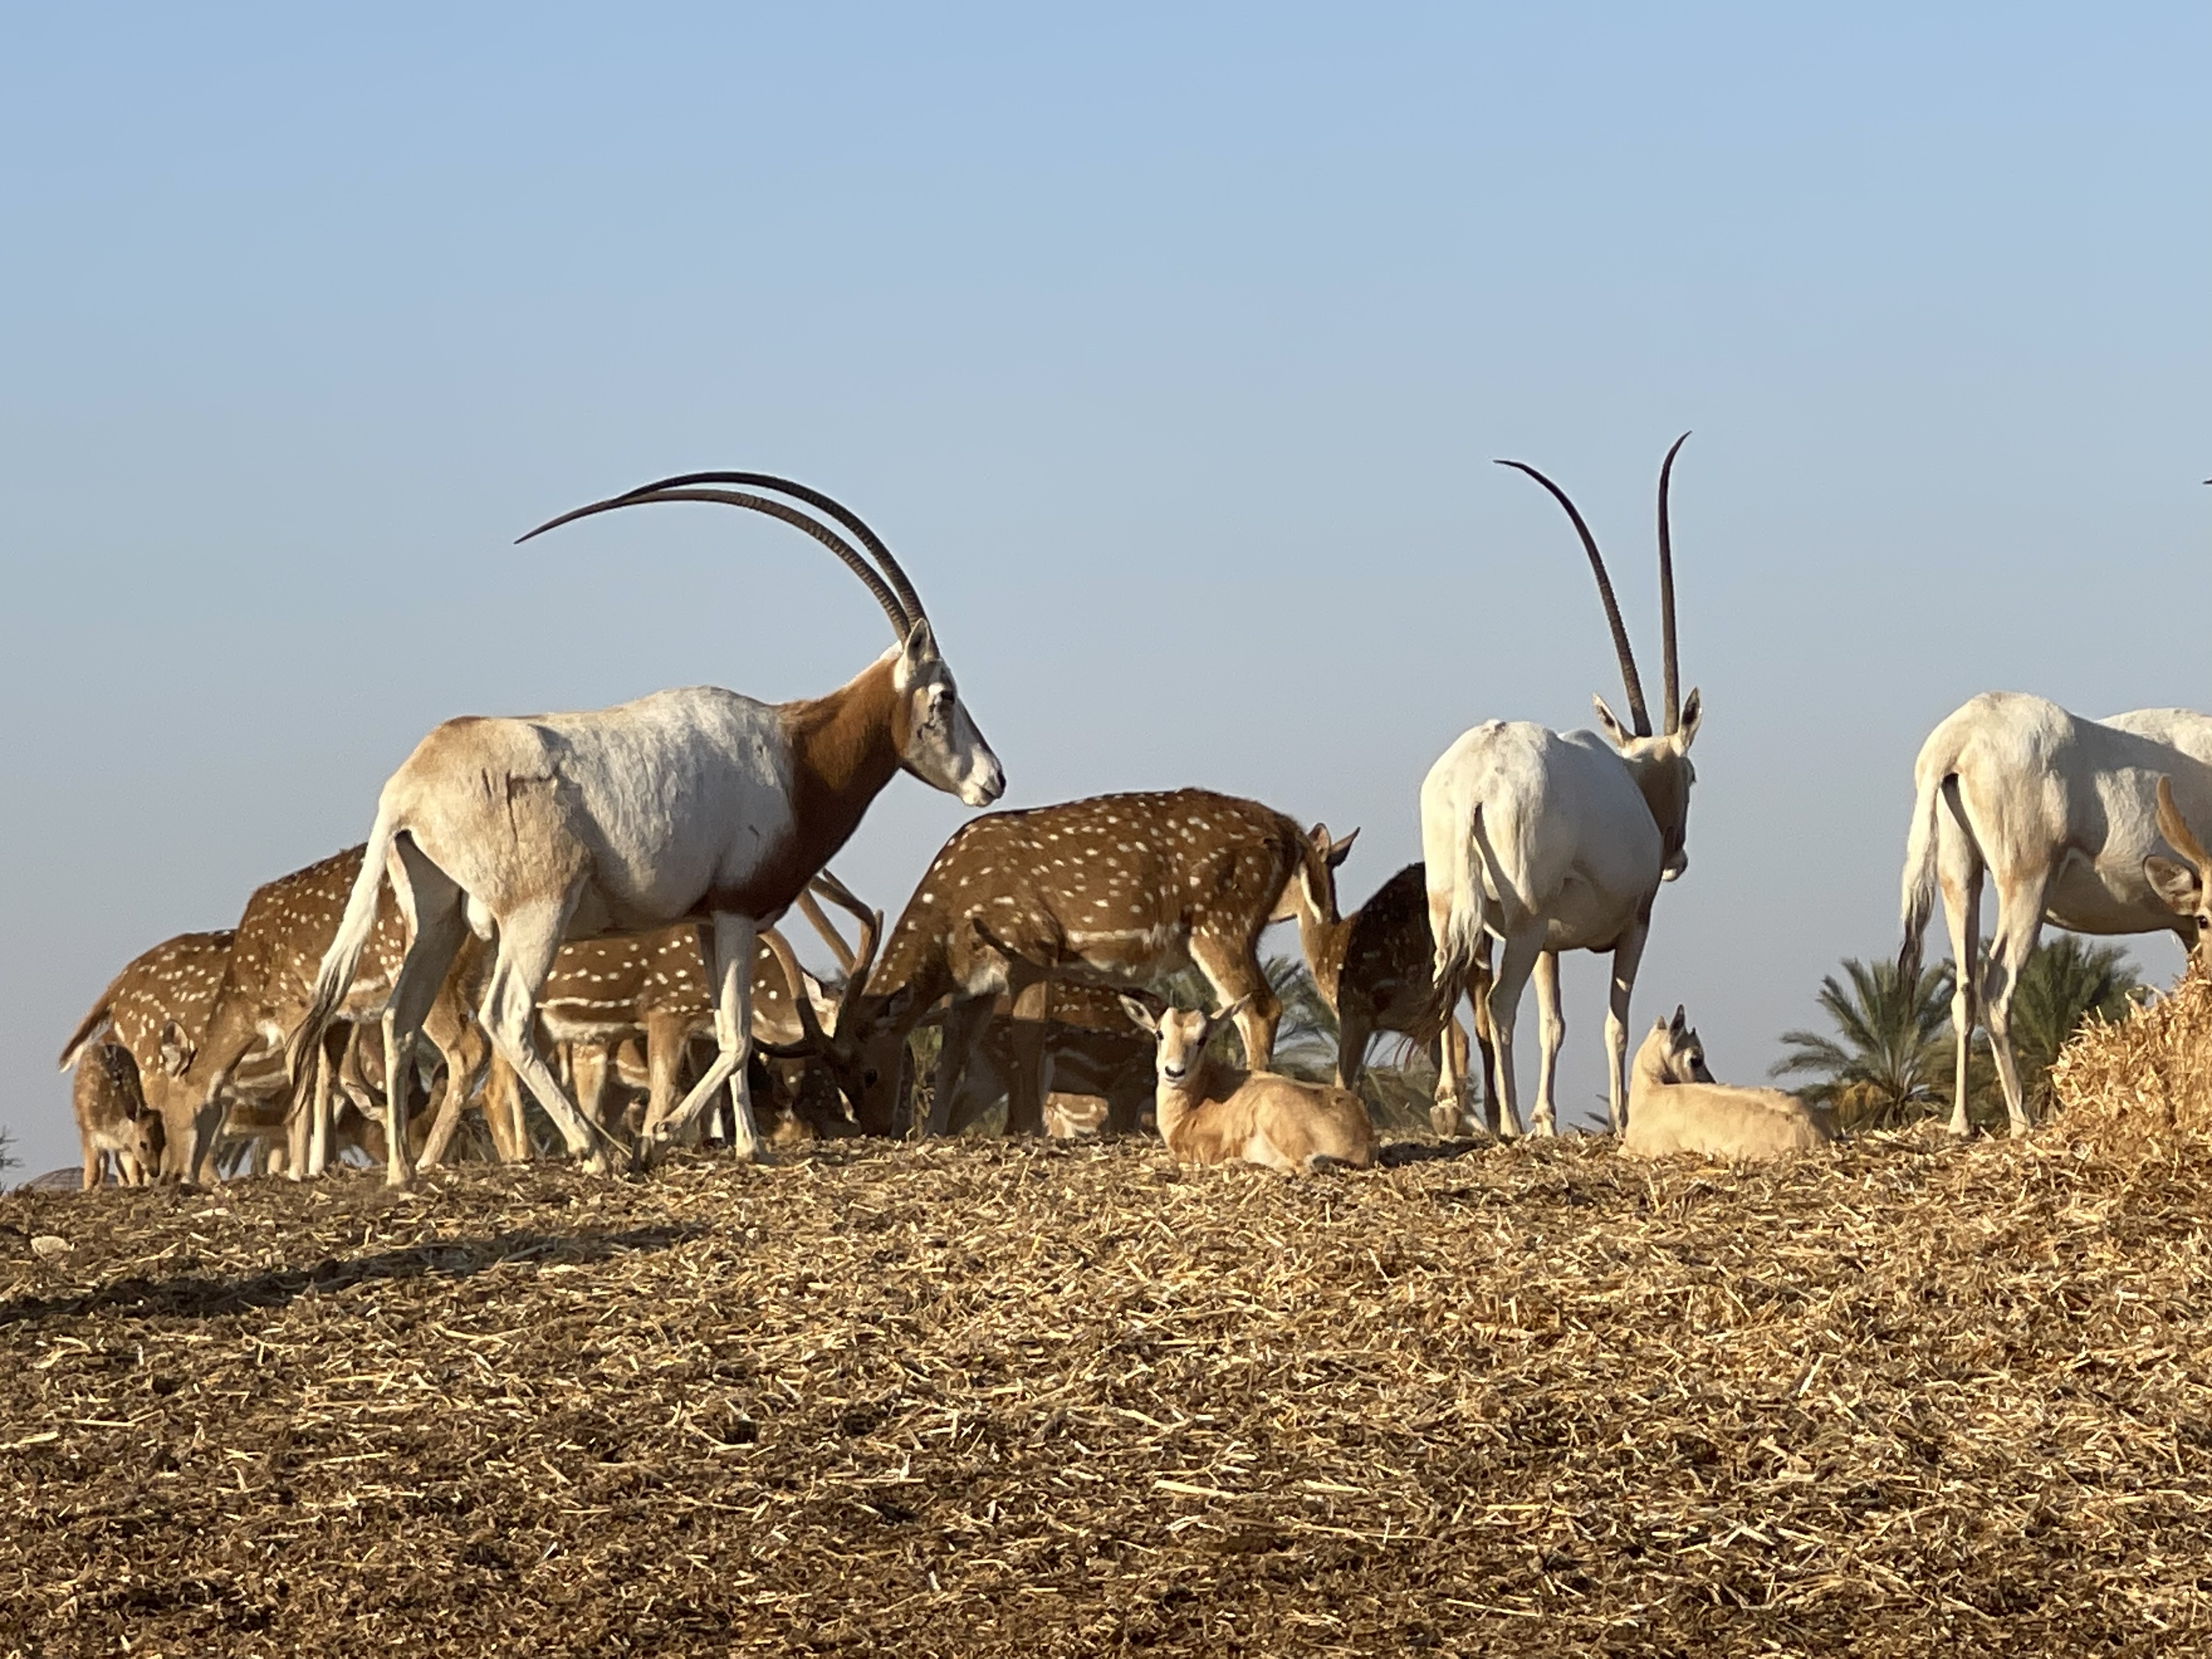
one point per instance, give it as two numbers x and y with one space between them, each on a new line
2184 889
1180 1033
1660 761
936 741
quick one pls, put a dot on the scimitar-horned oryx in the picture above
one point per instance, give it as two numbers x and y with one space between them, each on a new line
2062 813
692 804
1547 843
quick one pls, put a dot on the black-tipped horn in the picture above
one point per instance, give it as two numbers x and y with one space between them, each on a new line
1637 713
901 623
1669 671
845 515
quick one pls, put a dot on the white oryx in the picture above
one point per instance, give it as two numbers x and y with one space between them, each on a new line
1545 842
2063 814
692 804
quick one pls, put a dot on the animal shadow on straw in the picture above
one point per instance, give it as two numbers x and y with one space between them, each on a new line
1398 1154
190 1297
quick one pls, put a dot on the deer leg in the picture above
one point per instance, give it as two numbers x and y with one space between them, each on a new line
2020 923
588 1066
528 940
959 1056
729 968
1025 1085
1517 962
1627 957
1233 970
1958 876
460 1043
1444 1117
666 1035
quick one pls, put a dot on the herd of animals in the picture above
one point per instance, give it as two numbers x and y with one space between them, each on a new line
582 913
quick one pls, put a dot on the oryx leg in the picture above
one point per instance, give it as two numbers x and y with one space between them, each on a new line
1485 1036
1958 878
1551 1037
432 903
730 968
2020 923
1627 958
1516 964
1232 968
528 941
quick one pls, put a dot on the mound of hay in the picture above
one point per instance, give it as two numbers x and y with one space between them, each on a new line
2139 1086
1046 1399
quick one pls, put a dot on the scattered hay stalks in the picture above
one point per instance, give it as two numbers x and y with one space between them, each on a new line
2136 1089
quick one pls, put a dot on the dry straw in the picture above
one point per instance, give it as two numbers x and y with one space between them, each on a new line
993 1399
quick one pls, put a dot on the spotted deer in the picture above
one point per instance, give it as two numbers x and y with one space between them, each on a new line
268 985
1373 969
114 1125
157 1010
1120 891
1213 1113
1096 1062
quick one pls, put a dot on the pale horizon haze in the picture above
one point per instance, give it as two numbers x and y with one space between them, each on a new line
1171 348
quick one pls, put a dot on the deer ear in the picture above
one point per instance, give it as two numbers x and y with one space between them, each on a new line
176 1051
1337 851
1140 1016
2175 884
1619 734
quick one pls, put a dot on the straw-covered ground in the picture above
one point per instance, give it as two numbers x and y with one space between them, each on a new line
983 1398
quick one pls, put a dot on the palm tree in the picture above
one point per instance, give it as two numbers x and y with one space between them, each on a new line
1889 1058
2064 983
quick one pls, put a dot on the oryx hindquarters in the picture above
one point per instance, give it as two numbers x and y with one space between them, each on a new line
699 804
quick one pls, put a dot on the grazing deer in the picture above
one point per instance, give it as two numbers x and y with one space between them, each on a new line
268 987
2061 814
1373 970
1116 889
113 1122
1096 1066
690 805
1547 843
157 1010
1212 1113
1675 1106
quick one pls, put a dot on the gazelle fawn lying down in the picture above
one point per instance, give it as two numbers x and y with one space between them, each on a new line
1675 1106
1212 1113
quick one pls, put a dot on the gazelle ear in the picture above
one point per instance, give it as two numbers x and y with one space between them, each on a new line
1679 1023
1140 1016
2175 884
1619 734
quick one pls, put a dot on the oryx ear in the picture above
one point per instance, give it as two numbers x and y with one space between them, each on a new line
917 656
1619 734
1140 1016
1694 710
2175 884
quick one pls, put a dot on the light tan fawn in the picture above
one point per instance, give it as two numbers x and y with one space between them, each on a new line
1675 1106
113 1122
1212 1113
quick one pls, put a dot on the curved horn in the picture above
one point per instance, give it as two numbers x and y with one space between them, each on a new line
814 498
902 624
1671 688
1630 682
2175 829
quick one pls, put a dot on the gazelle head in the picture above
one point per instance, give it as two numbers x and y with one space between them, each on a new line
1659 761
2185 890
1180 1034
938 742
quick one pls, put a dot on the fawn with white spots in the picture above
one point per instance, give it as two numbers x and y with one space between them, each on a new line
1120 891
1213 1113
114 1125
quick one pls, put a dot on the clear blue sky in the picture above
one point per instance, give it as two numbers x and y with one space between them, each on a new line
1168 345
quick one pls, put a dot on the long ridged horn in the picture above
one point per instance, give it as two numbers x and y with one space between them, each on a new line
2176 829
892 571
902 624
1673 686
1637 713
